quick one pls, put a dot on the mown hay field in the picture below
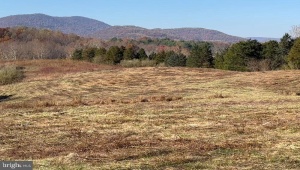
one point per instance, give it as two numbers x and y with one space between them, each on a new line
77 115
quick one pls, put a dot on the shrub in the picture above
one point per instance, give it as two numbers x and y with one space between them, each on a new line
148 63
138 63
161 65
10 74
77 54
131 63
100 59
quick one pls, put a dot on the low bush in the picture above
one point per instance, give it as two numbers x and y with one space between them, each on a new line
131 63
138 63
148 63
10 74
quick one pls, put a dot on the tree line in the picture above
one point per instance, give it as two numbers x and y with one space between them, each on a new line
249 55
30 43
200 55
20 43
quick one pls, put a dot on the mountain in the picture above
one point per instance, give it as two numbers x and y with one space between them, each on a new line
133 32
92 28
263 39
78 25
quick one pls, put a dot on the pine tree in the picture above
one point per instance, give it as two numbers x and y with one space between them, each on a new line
160 57
293 57
152 56
129 54
285 44
219 59
243 55
77 54
88 54
100 56
201 56
175 60
114 55
142 54
271 54
233 60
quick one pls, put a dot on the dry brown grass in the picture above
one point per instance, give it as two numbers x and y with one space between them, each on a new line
86 116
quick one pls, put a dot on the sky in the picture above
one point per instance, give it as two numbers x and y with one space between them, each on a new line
244 18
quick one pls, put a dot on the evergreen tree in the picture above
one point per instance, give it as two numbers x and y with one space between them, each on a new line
160 57
243 55
285 44
293 57
141 54
100 56
152 56
100 51
251 49
175 60
201 56
219 59
233 60
270 49
114 55
88 54
129 54
77 54
271 54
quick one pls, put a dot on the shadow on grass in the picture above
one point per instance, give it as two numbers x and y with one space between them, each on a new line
5 97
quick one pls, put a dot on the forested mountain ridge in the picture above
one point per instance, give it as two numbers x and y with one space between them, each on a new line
96 29
187 34
77 25
32 43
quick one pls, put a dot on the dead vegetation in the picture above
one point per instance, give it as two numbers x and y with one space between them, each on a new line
87 116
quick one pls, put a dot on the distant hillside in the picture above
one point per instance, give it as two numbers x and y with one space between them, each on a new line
133 32
92 28
78 25
264 39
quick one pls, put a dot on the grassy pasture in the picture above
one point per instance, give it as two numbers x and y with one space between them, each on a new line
78 115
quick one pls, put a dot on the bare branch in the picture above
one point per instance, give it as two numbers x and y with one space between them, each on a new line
295 32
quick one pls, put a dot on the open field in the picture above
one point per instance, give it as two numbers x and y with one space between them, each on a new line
76 115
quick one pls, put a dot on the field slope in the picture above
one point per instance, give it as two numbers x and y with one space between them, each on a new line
76 115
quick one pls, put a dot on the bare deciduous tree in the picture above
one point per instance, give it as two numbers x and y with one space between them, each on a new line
39 50
295 32
10 50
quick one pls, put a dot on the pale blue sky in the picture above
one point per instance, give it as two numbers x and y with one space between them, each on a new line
245 18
